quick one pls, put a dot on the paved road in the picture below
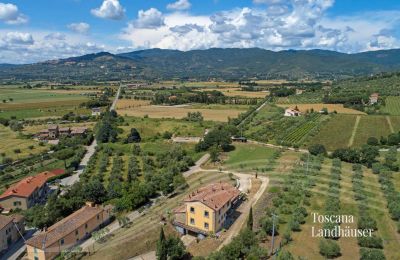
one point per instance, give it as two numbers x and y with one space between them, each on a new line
69 181
197 167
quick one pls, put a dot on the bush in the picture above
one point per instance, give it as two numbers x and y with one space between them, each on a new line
317 149
373 141
329 248
371 254
370 242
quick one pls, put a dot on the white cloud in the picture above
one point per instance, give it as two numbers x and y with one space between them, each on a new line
10 14
82 28
18 38
297 24
179 5
110 9
55 36
149 19
34 46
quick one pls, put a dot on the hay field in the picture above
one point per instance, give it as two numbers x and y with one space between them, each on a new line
139 109
317 107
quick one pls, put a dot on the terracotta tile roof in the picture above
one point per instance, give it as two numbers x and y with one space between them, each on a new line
5 220
374 95
64 129
215 195
65 226
78 130
28 185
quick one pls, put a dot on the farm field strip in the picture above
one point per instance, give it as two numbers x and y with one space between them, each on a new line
299 134
319 106
353 133
179 112
371 126
392 105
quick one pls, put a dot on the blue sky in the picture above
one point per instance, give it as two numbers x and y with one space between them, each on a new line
38 30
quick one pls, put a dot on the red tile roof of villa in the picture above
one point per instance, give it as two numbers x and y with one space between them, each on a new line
28 185
215 195
66 226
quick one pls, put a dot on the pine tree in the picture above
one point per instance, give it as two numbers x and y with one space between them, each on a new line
250 219
161 252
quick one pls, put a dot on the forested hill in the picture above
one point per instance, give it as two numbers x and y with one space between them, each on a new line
212 63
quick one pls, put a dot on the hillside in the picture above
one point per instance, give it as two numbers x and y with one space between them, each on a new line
211 63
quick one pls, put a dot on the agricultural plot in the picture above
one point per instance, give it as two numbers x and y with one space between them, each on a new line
155 127
395 122
305 98
18 96
237 92
246 156
392 105
221 115
319 106
298 135
336 132
371 126
27 103
16 146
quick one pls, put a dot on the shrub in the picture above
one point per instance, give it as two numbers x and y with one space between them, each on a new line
371 254
317 149
329 248
370 242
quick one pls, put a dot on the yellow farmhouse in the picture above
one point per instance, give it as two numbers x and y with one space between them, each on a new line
205 210
68 232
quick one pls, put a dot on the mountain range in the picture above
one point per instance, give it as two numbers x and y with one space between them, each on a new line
229 64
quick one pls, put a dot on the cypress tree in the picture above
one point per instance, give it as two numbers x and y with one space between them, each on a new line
250 219
161 252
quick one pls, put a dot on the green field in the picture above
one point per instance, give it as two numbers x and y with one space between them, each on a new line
392 105
371 126
154 128
336 132
246 156
19 96
29 103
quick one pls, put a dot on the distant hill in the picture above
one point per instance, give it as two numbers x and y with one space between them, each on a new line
211 63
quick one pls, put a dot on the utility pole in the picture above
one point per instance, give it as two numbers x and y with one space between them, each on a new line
273 233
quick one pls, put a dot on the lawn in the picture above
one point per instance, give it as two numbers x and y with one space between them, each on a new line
369 126
336 132
248 156
392 105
